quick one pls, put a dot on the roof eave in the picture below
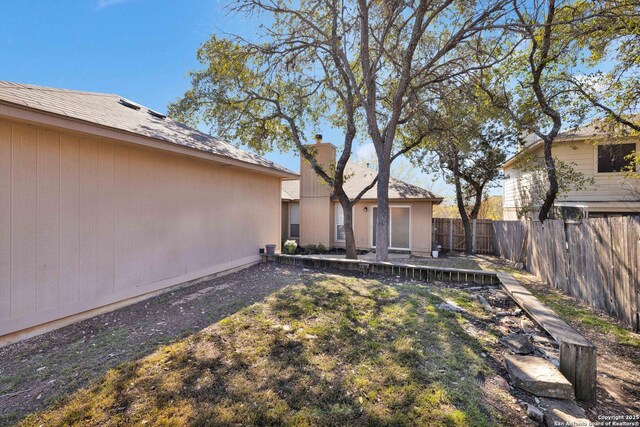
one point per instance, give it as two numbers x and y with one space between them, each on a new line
28 114
405 199
513 159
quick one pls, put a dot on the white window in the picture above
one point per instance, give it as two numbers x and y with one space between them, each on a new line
294 220
339 223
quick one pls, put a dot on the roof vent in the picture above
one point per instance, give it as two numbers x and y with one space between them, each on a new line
129 104
156 114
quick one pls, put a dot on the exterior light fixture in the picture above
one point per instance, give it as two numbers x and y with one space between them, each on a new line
366 209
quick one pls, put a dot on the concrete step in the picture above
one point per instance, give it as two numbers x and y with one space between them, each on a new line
538 376
578 358
563 413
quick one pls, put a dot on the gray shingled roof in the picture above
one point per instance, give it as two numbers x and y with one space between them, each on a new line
359 176
107 110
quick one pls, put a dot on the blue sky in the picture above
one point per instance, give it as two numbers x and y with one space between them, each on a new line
140 49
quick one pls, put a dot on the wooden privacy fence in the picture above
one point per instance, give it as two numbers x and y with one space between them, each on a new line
596 260
510 239
449 234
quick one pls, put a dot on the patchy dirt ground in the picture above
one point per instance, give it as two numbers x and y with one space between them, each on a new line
618 389
321 349
36 372
284 345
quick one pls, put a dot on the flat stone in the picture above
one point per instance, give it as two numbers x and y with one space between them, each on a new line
485 304
501 382
451 306
577 355
517 343
534 413
544 341
538 376
563 413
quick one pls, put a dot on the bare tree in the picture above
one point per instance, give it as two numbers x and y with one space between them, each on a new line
469 154
610 30
365 66
531 87
405 49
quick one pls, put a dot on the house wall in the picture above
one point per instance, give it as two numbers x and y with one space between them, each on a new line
315 202
421 215
582 155
86 222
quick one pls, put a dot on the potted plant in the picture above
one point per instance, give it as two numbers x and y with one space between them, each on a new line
434 250
271 249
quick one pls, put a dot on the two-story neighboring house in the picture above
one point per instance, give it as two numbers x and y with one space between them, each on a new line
602 160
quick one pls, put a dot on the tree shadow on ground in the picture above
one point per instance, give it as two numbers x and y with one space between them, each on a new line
331 350
37 372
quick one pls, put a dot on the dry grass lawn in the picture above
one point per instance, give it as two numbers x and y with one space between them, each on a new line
329 350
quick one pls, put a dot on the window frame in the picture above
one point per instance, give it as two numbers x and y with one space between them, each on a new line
595 157
410 207
335 222
289 221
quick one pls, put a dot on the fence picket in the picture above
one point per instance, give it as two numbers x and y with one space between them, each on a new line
596 261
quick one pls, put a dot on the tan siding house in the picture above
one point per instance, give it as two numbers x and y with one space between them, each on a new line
590 152
314 216
101 203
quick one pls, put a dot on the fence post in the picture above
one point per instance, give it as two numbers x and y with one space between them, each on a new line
473 237
451 234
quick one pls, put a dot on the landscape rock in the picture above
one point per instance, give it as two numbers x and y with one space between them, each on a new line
538 376
517 343
485 304
451 306
501 383
563 413
534 413
544 341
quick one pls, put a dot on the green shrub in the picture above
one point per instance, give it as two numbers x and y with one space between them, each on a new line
290 246
311 249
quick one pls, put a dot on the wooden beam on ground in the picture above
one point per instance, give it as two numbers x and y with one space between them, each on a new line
419 272
577 355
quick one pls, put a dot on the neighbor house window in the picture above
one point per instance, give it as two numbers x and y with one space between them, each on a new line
294 220
615 157
339 223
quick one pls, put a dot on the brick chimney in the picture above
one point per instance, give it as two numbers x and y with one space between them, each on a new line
315 202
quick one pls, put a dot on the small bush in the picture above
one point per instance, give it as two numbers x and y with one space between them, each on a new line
311 249
290 247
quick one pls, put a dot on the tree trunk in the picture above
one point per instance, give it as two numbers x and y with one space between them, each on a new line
461 208
552 191
382 230
477 202
349 237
